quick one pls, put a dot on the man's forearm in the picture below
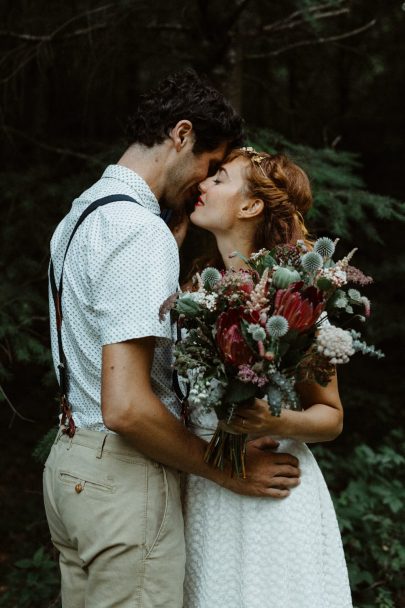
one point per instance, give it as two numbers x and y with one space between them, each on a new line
133 410
158 434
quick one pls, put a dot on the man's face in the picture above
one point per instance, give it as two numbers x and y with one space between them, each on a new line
189 170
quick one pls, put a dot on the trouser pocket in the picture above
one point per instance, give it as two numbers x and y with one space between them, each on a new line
157 505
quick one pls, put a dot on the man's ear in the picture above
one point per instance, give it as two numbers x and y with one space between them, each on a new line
181 134
251 207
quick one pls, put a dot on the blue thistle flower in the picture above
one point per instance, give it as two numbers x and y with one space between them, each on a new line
283 277
311 262
210 276
256 332
277 326
325 247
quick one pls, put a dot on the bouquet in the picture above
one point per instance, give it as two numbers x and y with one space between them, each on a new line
258 332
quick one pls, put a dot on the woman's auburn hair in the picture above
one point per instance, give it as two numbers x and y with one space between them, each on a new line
286 193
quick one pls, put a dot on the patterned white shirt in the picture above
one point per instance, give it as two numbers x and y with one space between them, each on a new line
122 264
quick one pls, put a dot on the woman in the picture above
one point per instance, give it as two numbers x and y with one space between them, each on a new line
245 552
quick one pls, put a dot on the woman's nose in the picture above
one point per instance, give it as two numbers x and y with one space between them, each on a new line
202 186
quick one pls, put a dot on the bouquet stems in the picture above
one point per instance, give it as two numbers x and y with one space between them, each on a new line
226 446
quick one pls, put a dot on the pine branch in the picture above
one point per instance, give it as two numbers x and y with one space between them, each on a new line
45 39
50 37
311 9
55 149
15 412
321 40
175 27
288 24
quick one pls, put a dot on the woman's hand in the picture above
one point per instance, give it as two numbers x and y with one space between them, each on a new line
321 418
256 419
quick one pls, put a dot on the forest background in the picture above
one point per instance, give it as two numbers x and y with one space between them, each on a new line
322 81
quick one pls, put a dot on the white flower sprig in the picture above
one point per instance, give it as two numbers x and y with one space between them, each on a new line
335 343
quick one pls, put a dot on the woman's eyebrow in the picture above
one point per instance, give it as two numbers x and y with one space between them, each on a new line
223 170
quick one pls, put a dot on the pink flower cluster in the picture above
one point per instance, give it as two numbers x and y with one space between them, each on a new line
354 275
246 374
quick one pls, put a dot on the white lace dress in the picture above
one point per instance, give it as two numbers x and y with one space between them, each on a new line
245 552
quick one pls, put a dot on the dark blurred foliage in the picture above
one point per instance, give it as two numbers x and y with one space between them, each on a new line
322 81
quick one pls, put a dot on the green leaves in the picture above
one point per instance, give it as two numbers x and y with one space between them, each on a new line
238 391
187 306
33 581
369 495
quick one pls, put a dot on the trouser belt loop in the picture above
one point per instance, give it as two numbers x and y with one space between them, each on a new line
58 435
100 448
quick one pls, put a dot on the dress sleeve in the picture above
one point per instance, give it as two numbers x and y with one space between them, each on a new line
130 277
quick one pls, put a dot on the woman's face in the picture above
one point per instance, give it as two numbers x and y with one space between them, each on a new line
222 196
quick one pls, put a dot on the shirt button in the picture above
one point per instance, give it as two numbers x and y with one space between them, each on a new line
78 488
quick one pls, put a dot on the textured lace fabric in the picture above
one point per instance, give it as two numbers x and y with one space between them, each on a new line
245 552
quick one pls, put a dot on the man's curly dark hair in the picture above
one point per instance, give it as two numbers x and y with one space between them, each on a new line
185 96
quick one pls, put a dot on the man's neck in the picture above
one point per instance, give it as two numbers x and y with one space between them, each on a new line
148 163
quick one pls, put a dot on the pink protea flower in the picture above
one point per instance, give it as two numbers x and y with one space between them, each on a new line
230 339
300 308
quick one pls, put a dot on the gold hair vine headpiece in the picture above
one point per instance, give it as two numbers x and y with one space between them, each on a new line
255 157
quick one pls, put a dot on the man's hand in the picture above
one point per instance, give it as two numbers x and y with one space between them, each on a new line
131 409
267 473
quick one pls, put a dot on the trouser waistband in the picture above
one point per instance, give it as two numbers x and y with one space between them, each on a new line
100 442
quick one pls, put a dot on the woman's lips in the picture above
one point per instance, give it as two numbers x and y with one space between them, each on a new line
199 203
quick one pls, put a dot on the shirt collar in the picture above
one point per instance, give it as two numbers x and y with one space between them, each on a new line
134 181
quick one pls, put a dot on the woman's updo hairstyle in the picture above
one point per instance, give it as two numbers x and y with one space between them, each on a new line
285 191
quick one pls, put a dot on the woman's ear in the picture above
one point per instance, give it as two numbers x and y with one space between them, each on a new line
181 134
251 207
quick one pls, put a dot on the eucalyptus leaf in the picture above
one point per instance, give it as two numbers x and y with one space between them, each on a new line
238 391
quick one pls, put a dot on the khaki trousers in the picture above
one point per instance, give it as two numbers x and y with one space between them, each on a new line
115 518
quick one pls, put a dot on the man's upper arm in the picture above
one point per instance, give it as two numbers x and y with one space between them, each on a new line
125 378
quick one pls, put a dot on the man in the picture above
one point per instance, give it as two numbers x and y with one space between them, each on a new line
111 484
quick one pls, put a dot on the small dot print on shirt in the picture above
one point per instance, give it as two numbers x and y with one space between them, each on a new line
122 264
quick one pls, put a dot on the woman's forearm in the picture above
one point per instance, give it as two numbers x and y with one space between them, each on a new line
319 422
